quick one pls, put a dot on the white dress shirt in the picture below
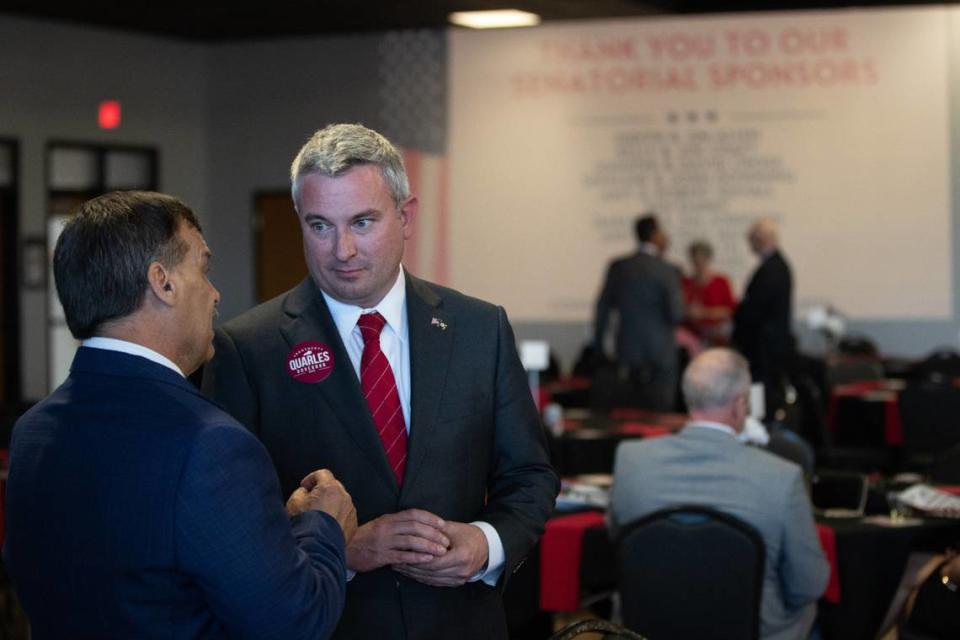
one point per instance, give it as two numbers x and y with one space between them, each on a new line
716 426
395 344
131 348
394 339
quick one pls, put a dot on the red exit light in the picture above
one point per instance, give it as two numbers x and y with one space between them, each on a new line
108 116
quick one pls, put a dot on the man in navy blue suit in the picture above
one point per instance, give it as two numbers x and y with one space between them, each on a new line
136 508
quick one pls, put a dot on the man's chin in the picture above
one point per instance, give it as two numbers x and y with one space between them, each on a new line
355 295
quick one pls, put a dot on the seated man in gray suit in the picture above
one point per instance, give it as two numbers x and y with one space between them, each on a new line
706 464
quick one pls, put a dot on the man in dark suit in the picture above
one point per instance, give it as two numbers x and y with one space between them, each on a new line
135 507
411 393
761 323
645 290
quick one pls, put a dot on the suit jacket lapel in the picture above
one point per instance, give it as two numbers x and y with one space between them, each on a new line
309 320
431 331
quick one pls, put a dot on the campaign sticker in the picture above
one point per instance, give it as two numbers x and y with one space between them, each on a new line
310 362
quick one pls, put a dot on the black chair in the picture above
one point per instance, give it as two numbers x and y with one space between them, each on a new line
813 428
946 466
789 445
847 369
905 632
930 414
595 627
691 572
857 345
940 365
812 412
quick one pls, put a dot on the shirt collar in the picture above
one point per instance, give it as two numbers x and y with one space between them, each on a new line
391 307
650 249
130 348
716 426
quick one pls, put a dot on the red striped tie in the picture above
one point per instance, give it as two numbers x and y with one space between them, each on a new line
380 389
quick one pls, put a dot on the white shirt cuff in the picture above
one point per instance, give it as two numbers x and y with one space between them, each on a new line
495 556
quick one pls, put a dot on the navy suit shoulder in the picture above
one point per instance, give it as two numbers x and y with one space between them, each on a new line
137 508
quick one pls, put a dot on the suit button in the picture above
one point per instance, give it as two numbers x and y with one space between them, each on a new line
396 583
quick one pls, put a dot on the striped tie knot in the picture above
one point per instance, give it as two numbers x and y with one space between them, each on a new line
371 325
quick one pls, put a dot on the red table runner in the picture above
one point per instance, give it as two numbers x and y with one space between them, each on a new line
645 430
560 560
828 542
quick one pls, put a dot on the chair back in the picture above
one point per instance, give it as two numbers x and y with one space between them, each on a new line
813 424
930 413
849 369
791 446
691 572
856 345
941 364
946 466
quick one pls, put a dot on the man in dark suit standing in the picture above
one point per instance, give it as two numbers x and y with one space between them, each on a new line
413 394
135 507
761 323
645 290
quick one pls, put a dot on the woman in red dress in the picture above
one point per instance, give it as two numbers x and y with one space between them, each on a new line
709 298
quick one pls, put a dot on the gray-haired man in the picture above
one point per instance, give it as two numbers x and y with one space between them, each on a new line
706 464
411 393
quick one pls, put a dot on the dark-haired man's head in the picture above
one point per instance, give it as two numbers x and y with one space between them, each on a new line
133 265
648 231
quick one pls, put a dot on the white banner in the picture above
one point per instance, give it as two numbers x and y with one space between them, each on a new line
834 123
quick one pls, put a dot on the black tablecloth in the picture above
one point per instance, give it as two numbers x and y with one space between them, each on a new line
870 560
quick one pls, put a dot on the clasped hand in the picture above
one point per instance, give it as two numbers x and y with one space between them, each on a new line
421 546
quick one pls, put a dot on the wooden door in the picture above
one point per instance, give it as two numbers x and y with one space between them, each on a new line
278 245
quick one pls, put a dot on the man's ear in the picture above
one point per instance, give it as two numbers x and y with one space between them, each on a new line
161 285
408 213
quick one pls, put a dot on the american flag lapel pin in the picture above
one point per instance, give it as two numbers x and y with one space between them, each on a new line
436 322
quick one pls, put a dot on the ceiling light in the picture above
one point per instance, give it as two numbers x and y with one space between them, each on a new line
494 19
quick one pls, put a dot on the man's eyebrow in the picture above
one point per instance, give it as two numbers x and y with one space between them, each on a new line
310 217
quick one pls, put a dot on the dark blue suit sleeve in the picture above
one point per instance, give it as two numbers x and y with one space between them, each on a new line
264 576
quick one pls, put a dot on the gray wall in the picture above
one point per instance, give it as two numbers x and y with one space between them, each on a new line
52 79
265 101
227 120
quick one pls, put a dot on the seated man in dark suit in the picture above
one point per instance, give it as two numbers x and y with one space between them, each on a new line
135 507
705 464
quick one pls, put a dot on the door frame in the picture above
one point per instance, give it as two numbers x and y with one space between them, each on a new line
10 322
